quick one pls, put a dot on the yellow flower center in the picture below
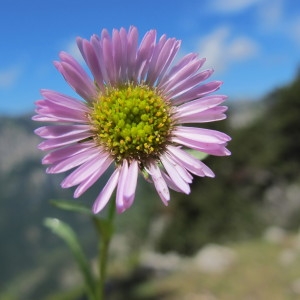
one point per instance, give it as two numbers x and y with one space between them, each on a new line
132 122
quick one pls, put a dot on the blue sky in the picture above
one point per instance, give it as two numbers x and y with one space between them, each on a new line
253 45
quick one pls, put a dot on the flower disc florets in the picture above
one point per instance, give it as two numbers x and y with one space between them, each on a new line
132 122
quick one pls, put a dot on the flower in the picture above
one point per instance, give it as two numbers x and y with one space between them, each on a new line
133 116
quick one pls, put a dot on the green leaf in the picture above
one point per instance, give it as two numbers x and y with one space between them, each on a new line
65 232
199 155
104 227
72 206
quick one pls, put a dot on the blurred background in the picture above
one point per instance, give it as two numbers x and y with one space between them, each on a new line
235 236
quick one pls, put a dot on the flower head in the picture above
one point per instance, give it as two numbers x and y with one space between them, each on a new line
133 115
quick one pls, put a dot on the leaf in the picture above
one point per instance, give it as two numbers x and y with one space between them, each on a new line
65 232
198 154
72 206
104 227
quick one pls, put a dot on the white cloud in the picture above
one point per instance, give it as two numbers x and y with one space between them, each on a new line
294 30
221 48
232 6
9 76
74 51
271 14
274 18
71 48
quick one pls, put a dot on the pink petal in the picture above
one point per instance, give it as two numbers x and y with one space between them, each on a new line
90 57
63 141
209 115
60 113
132 44
189 162
76 77
86 170
174 175
202 134
180 68
106 192
99 53
213 149
159 183
163 55
117 54
144 54
109 60
123 62
170 183
197 92
188 83
131 183
121 187
89 181
66 152
200 105
57 131
73 161
175 45
64 100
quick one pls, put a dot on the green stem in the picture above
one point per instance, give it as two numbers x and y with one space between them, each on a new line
106 235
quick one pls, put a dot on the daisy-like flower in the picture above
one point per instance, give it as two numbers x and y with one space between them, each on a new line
134 115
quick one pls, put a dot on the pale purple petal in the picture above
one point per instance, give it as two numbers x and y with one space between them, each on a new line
129 191
99 53
152 63
174 175
60 113
197 92
63 141
144 54
173 51
117 54
213 149
210 115
64 100
121 187
76 76
201 134
73 161
57 131
183 74
88 52
132 45
189 162
182 171
175 70
89 181
188 83
123 37
66 152
200 104
170 183
106 192
163 55
86 170
159 183
109 60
